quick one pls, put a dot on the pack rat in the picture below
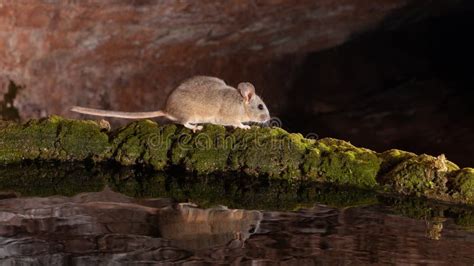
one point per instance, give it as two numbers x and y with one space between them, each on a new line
203 99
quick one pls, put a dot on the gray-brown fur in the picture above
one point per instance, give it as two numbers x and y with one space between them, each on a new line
203 99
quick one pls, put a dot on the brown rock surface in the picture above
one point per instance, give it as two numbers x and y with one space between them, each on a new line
129 54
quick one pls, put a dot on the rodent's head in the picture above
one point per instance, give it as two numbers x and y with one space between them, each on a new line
254 106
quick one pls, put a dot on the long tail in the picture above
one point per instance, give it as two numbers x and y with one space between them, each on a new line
128 115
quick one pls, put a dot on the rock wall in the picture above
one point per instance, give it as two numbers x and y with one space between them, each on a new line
129 54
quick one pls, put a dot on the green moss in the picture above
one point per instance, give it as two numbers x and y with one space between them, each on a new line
143 142
312 161
462 185
20 142
77 140
337 161
258 152
391 158
271 152
204 152
54 138
420 175
129 142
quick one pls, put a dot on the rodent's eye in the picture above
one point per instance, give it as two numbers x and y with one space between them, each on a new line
260 106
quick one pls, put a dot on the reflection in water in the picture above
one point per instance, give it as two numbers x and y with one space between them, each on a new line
110 228
235 190
60 229
151 218
193 228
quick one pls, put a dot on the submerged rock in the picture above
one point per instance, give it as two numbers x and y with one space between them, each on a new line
258 152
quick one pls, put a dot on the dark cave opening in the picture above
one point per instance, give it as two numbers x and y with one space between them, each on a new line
409 88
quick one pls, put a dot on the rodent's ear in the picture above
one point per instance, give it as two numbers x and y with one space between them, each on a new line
247 90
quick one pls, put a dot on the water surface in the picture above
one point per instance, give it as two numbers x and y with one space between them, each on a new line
292 224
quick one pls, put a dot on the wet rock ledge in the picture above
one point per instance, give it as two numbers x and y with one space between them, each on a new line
270 152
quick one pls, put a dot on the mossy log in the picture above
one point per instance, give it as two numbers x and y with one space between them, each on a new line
269 152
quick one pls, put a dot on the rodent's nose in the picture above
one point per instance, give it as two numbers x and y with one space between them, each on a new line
264 118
